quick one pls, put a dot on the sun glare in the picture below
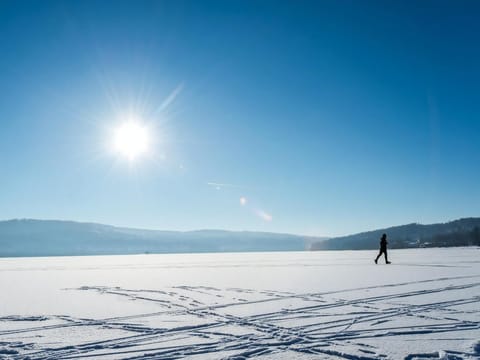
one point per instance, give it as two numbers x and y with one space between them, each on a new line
131 140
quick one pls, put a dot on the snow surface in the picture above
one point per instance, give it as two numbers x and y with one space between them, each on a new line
290 305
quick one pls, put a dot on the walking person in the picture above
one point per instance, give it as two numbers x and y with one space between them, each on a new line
383 249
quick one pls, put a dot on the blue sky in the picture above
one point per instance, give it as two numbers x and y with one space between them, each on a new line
328 117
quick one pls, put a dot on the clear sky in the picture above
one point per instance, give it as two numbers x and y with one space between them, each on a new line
320 118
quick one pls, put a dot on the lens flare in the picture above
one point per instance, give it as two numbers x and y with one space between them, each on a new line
264 215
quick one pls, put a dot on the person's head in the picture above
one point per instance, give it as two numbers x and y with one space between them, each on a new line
384 236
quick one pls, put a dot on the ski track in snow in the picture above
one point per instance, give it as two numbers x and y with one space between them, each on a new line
198 322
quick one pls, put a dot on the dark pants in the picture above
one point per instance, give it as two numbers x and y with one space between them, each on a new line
382 251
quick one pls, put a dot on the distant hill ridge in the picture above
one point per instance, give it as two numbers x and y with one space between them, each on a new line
462 232
28 237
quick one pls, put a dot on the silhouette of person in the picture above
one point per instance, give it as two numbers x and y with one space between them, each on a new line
383 249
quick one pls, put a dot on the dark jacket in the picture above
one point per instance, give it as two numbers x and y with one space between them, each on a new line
383 244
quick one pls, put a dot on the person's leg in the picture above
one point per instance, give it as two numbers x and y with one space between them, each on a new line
379 254
386 257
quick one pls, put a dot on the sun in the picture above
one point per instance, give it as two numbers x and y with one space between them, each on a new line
131 140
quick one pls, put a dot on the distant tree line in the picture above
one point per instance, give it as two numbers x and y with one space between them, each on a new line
453 238
461 232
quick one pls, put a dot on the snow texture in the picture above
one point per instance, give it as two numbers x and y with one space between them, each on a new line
292 305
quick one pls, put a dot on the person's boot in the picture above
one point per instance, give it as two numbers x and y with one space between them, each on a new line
376 261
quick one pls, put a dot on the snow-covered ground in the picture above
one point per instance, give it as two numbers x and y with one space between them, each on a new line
294 305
